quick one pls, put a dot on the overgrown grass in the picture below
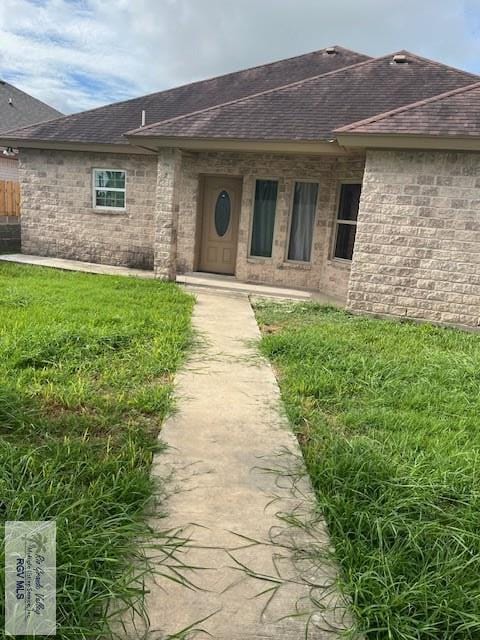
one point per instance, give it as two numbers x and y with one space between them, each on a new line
388 416
86 373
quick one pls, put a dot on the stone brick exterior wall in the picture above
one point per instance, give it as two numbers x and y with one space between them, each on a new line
57 214
417 252
322 273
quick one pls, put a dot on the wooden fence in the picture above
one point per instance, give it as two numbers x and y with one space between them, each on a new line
9 198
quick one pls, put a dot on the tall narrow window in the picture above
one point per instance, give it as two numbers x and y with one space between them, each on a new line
347 220
108 189
264 218
303 218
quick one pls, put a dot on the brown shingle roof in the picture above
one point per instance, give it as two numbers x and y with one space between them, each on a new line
454 113
313 108
108 124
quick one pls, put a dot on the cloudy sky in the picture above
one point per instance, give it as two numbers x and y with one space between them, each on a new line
78 54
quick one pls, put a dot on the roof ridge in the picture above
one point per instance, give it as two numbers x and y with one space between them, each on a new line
256 66
257 95
406 107
438 64
188 84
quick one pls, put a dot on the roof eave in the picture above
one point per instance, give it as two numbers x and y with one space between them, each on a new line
65 145
352 141
235 144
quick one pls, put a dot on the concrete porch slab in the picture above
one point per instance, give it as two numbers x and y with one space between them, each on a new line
229 284
75 265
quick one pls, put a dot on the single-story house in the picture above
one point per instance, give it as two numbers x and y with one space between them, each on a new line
353 176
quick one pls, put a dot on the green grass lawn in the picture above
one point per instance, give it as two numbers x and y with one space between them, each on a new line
86 372
388 416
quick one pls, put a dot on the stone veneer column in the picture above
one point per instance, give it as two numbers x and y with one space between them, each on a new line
166 212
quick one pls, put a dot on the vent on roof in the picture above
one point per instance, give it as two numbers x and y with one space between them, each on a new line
400 58
10 101
330 50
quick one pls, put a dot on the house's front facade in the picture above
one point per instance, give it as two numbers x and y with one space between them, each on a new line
274 175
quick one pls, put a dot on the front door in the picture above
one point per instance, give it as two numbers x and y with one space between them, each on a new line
221 212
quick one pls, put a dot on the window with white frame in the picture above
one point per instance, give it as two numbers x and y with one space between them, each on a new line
347 220
302 221
109 189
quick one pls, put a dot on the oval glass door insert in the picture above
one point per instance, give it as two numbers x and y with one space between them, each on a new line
222 213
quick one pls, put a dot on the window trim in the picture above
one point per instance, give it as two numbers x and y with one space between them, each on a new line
287 260
337 220
250 256
95 189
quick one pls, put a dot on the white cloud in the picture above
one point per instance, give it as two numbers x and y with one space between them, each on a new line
77 54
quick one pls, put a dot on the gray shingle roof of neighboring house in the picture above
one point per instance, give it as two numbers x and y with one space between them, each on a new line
454 113
108 124
312 109
18 109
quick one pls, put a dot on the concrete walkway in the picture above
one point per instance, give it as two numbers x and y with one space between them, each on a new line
233 472
75 265
194 281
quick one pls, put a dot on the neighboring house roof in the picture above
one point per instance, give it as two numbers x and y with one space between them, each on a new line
454 113
313 108
18 109
108 124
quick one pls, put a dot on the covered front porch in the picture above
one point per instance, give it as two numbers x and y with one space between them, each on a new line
258 218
